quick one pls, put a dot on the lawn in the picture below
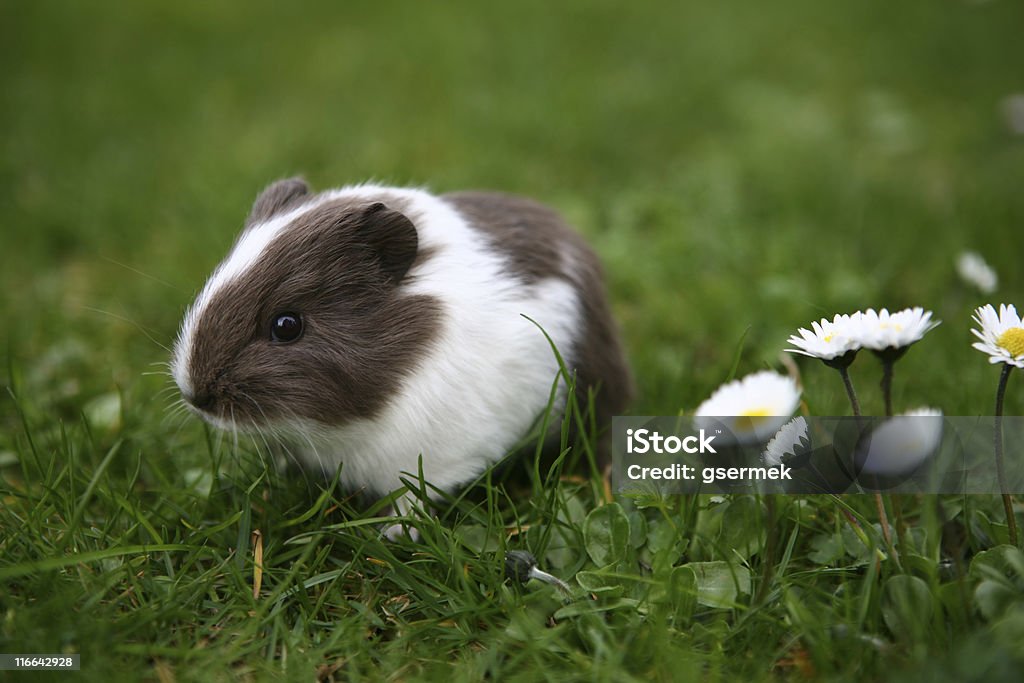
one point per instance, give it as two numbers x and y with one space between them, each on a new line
742 169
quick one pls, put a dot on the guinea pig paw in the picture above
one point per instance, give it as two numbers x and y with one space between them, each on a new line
396 532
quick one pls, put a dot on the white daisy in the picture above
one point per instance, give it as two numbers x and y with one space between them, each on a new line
787 443
751 409
1013 111
1002 335
902 443
884 330
827 339
974 271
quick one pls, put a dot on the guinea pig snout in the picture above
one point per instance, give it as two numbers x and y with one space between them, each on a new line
203 396
203 399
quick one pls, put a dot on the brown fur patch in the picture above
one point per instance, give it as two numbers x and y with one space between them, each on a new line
530 235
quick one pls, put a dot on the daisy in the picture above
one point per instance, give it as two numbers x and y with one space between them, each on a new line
890 335
788 443
974 271
835 343
1002 335
883 330
1002 338
752 409
828 340
901 444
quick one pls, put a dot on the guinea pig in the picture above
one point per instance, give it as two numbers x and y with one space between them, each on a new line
370 326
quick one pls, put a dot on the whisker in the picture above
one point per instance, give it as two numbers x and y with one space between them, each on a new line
176 409
143 274
122 318
306 436
234 430
259 430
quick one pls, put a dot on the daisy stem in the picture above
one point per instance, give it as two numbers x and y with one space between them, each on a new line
887 386
883 519
887 393
1011 520
854 403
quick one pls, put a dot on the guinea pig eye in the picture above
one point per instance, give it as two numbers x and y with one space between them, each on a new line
286 327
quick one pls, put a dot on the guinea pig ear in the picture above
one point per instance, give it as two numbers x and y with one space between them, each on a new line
279 196
392 236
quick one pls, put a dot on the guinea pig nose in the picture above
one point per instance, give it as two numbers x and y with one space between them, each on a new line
203 400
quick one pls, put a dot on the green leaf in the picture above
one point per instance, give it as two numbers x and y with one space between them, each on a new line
907 606
591 607
1010 630
920 566
562 550
1001 561
662 535
854 546
1000 575
477 538
598 582
637 529
606 534
573 512
827 548
994 598
682 593
719 583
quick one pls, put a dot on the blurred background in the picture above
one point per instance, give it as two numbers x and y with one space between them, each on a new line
741 168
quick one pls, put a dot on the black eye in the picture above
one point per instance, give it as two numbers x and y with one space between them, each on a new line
286 327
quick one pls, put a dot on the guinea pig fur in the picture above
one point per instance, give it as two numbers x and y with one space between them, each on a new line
367 326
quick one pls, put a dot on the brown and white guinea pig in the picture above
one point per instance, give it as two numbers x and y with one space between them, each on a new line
370 325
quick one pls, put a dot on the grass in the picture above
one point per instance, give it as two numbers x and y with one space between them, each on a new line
741 171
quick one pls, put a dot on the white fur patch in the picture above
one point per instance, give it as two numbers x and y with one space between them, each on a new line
484 382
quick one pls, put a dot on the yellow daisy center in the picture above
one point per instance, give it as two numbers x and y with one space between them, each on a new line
829 337
1012 340
755 417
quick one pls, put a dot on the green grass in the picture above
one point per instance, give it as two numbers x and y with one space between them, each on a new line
742 169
